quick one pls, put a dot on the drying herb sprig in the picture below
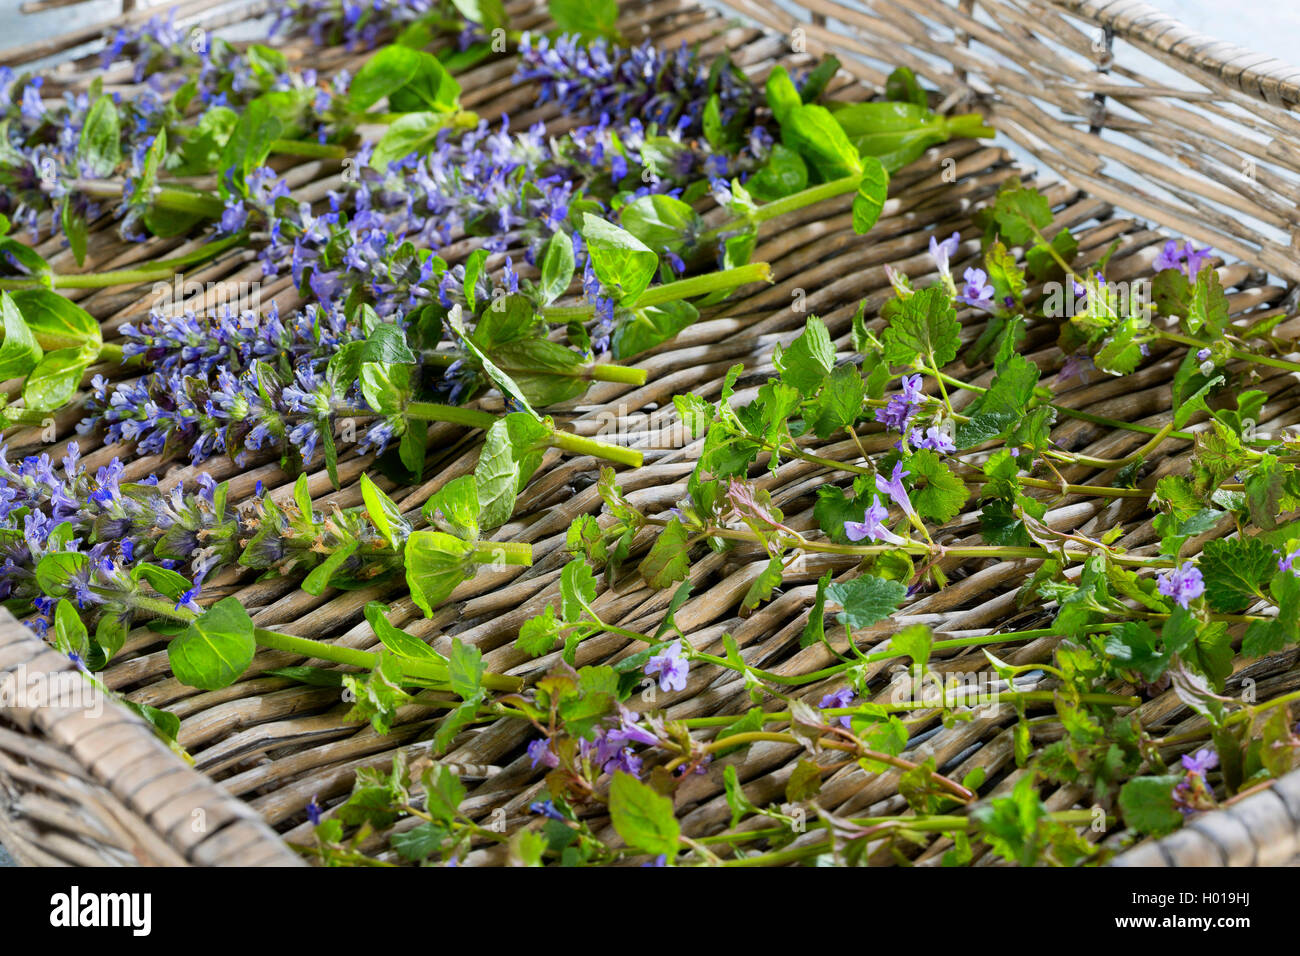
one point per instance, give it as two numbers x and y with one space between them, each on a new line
92 556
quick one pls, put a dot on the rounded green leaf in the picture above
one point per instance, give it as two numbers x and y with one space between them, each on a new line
216 649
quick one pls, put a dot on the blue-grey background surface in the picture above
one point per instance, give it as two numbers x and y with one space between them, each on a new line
1269 26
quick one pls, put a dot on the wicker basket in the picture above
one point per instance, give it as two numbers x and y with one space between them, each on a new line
78 786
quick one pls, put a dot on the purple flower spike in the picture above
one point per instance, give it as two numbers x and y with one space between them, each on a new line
1184 584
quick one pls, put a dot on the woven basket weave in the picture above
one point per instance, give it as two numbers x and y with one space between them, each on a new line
77 788
1196 157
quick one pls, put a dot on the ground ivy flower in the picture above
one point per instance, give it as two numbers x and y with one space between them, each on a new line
539 751
1184 584
671 667
976 292
893 486
933 438
872 525
1199 763
1182 255
942 252
843 697
900 408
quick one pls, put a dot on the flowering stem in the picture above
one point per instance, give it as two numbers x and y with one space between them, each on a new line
564 440
936 823
1075 413
855 747
1234 353
916 547
722 280
813 677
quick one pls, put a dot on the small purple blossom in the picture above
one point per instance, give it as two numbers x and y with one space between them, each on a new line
1199 763
1184 584
977 292
839 698
671 667
893 486
872 525
942 252
539 751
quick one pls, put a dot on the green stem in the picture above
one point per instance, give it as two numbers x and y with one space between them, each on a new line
720 281
519 553
564 440
780 207
1234 353
299 147
163 269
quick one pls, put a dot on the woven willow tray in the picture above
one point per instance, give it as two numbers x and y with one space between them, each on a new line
82 787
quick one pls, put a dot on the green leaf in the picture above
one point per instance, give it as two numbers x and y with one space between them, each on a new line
808 360
409 133
620 260
1234 570
815 628
99 150
642 329
1208 306
782 95
217 647
537 634
577 589
489 14
413 81
465 668
319 578
669 559
435 564
660 221
938 495
397 640
1019 211
869 200
55 379
589 18
924 325
814 133
1147 804
455 508
784 175
866 600
642 817
557 267
70 634
19 352
56 322
915 642
383 511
